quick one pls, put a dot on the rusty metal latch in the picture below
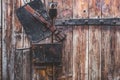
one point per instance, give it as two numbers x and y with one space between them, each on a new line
77 22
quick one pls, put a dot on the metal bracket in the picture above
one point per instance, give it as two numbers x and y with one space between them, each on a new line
78 22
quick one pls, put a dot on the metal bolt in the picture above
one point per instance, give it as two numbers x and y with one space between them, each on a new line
101 21
86 21
114 21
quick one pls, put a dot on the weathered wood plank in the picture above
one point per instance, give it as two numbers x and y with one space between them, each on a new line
19 65
94 53
80 41
117 54
0 54
0 13
4 56
108 53
107 8
105 47
94 42
67 54
19 32
110 43
27 75
80 37
0 39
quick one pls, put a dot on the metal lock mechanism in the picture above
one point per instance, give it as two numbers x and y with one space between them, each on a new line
53 10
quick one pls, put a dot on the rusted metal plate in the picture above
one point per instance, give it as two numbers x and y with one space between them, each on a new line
46 53
35 30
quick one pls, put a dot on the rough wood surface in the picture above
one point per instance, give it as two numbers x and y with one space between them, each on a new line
80 56
89 52
80 41
94 42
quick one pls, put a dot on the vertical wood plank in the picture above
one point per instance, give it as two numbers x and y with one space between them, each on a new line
80 42
108 53
117 54
67 54
80 37
9 48
105 52
27 65
0 38
94 42
66 12
110 41
117 42
94 53
19 65
4 55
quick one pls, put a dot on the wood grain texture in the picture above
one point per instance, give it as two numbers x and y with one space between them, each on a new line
80 41
80 55
108 53
95 8
80 8
107 8
0 39
27 75
94 42
116 8
67 11
117 54
67 55
4 55
105 47
94 53
18 65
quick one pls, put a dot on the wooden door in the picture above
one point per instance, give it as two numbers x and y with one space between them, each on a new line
89 52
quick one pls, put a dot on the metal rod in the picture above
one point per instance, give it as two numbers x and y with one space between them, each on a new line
77 22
